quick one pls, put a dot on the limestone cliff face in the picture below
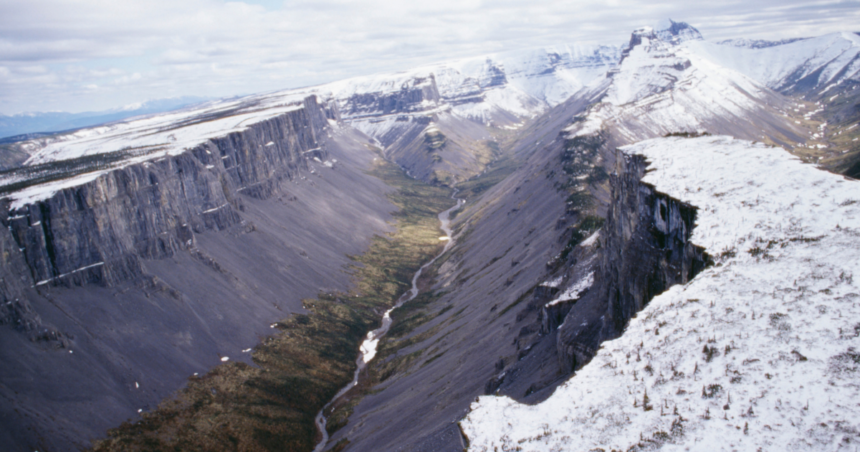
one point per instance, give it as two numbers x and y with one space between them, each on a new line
100 231
645 249
411 96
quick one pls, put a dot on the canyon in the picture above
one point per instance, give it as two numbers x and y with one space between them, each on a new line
184 249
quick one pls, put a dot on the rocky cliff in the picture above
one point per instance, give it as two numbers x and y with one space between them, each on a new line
99 231
396 97
645 248
118 289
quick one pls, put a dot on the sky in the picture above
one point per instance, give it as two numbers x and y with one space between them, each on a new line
92 55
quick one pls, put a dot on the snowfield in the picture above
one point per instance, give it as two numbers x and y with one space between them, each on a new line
758 352
662 87
149 138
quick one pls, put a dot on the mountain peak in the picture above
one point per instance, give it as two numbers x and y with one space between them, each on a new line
677 32
667 31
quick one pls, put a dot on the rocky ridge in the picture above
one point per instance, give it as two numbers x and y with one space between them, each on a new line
750 353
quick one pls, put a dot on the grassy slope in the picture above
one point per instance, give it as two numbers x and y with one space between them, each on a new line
239 407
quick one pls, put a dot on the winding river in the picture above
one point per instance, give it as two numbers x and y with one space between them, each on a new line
368 347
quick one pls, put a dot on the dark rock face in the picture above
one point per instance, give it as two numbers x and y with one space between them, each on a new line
154 272
645 249
406 100
673 33
99 231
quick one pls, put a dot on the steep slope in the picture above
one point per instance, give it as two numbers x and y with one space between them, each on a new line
661 87
775 320
498 317
203 219
447 344
120 284
806 67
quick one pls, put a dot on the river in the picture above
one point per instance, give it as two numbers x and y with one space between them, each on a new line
368 347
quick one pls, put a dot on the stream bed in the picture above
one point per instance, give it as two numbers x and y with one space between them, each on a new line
368 347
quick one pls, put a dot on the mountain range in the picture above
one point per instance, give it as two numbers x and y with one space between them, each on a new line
655 243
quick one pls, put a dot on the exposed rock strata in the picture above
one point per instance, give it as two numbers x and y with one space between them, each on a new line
98 232
268 226
645 249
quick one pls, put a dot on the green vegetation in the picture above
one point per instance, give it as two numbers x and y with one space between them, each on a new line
580 232
272 407
580 157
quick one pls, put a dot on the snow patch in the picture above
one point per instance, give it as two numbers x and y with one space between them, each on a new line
573 292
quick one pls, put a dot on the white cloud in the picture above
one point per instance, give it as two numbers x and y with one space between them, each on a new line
217 48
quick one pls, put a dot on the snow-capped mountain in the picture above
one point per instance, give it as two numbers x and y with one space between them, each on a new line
756 353
139 140
665 83
495 90
500 89
809 66
522 83
769 389
259 198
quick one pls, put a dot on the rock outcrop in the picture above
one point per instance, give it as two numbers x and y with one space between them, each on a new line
645 248
99 232
411 96
115 291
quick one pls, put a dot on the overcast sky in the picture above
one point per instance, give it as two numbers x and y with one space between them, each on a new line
86 55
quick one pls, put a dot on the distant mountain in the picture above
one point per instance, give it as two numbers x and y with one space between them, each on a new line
757 43
805 67
44 122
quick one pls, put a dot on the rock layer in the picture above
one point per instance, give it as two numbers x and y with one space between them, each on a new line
645 249
99 231
117 290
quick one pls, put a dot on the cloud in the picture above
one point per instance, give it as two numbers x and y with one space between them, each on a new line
220 48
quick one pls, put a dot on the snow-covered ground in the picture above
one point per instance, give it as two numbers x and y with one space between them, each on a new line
547 76
759 352
522 84
835 56
663 87
148 138
169 133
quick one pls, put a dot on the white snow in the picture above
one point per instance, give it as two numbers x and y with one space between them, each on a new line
524 83
215 208
661 88
573 292
779 315
46 281
835 55
591 240
553 283
151 137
